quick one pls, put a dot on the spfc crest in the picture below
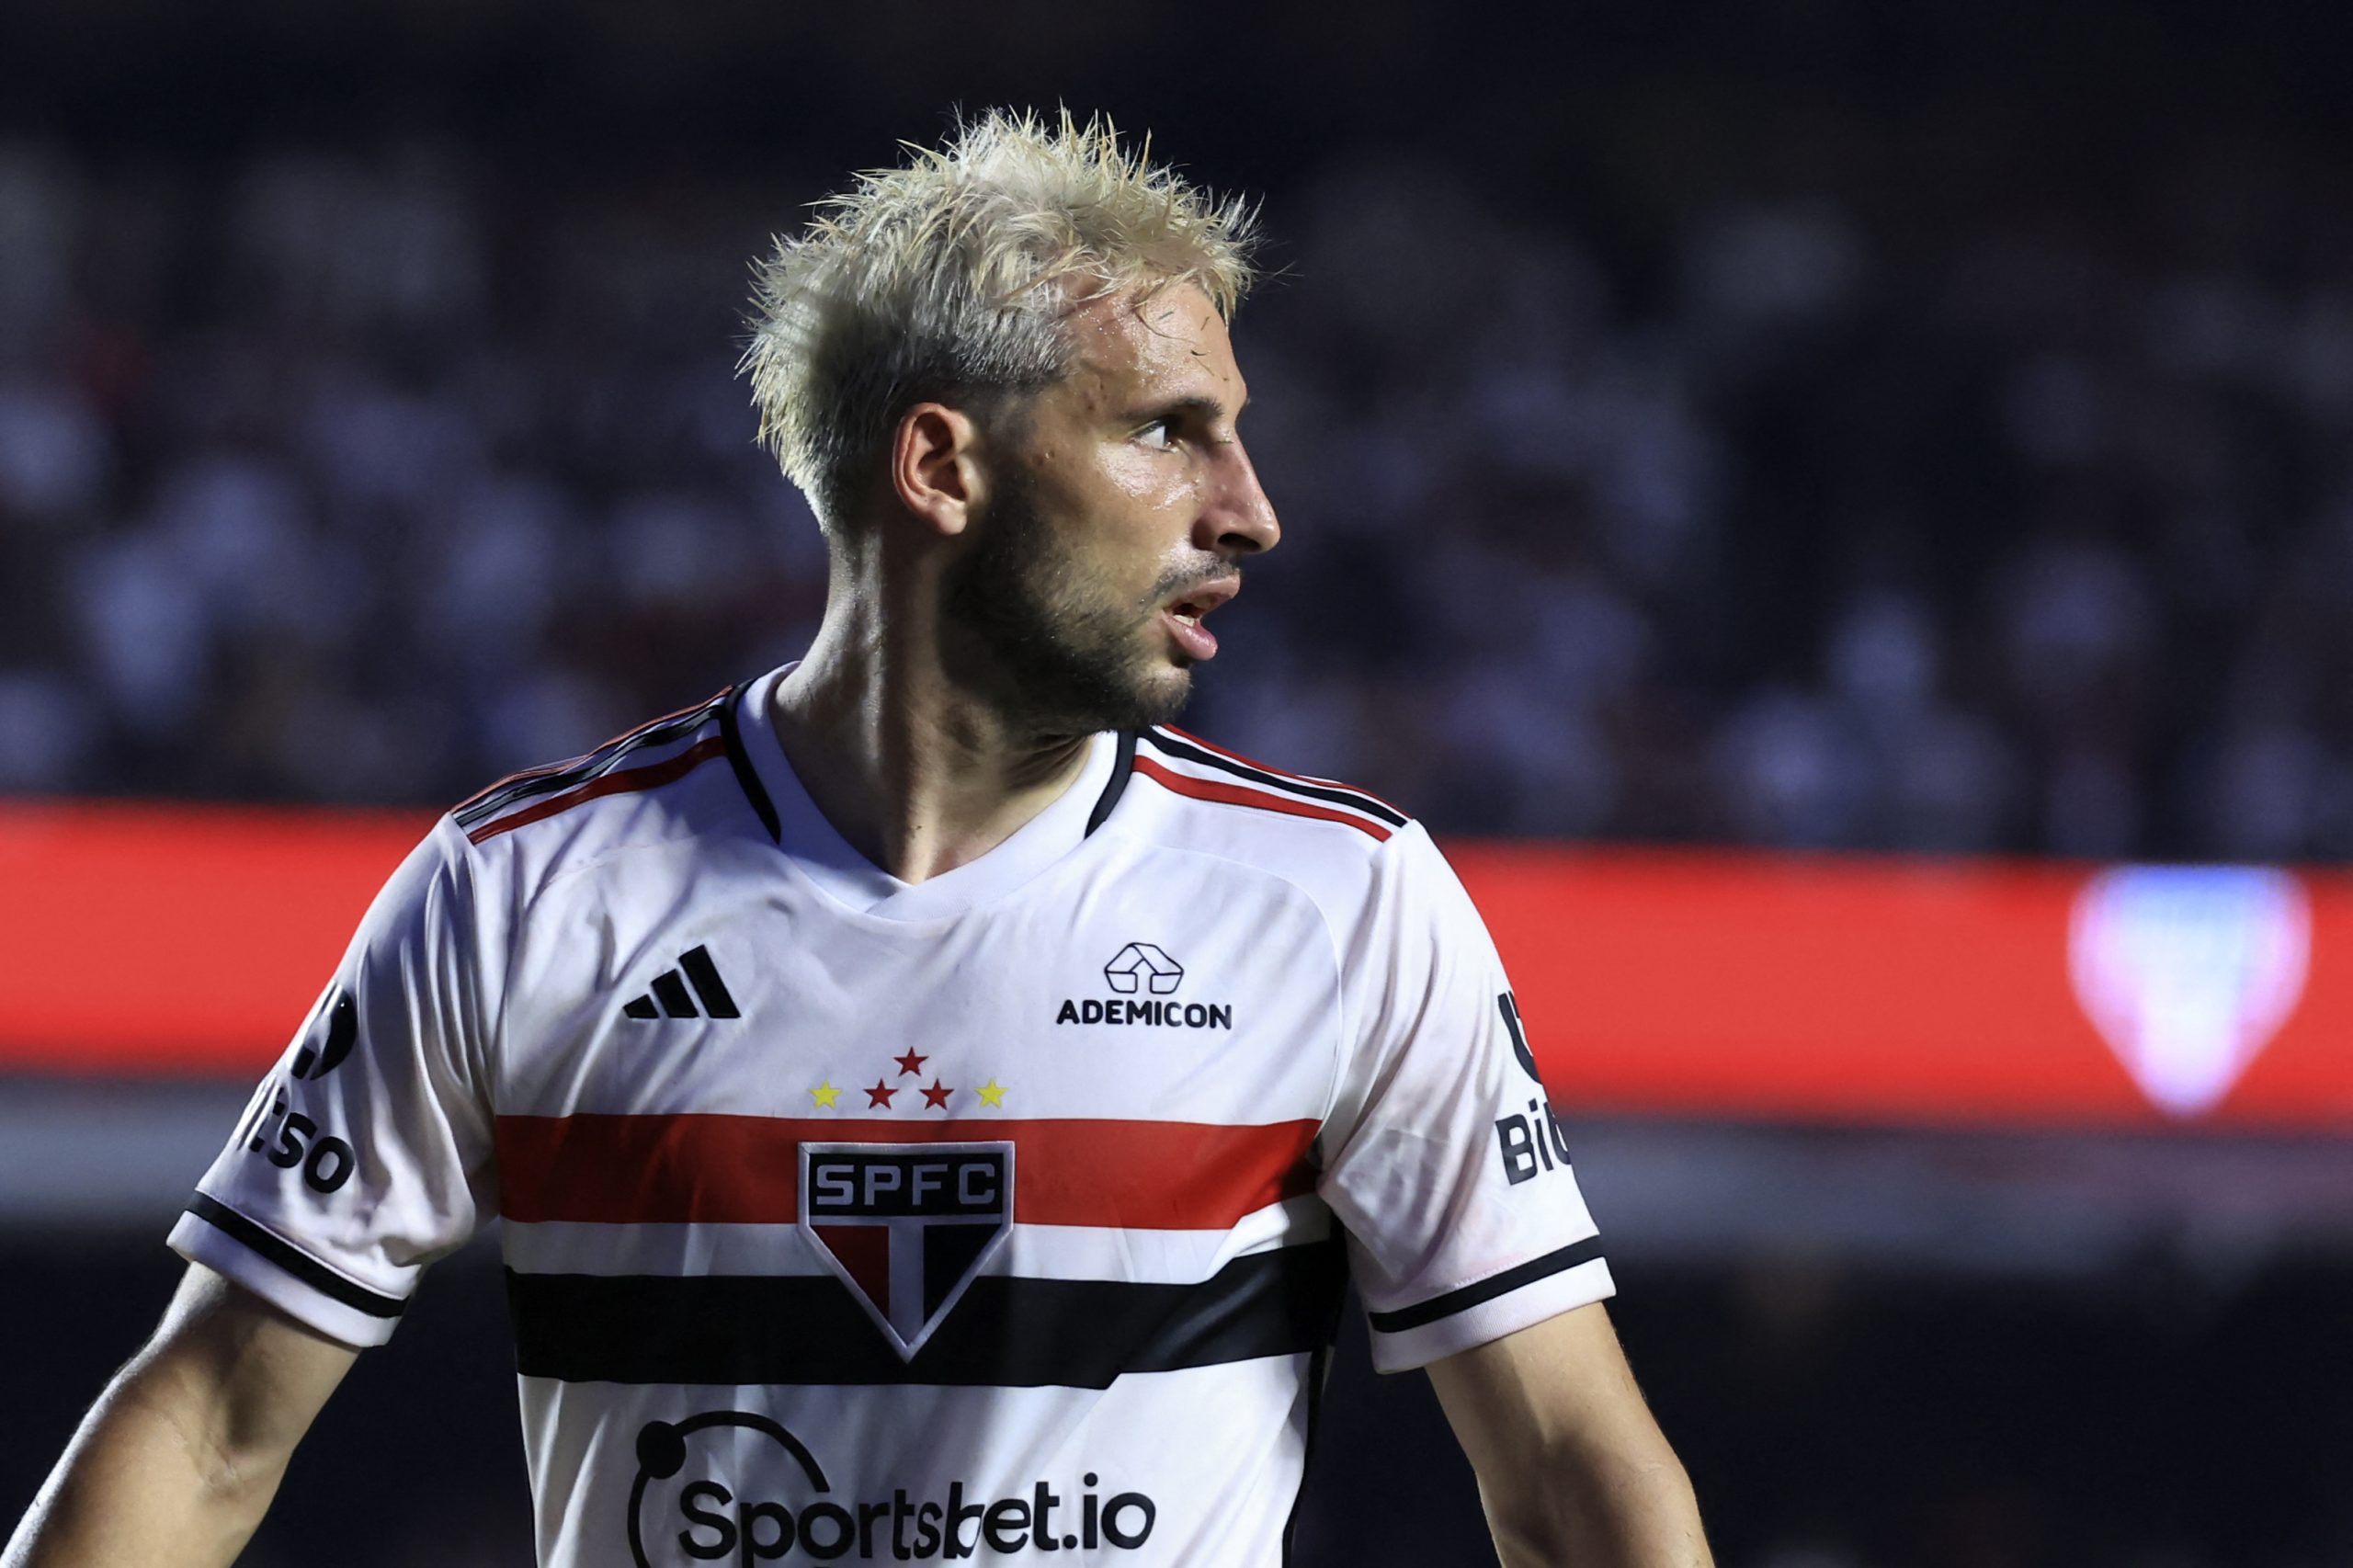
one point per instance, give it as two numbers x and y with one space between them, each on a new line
906 1226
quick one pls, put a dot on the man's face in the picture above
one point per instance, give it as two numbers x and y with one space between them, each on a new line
1123 507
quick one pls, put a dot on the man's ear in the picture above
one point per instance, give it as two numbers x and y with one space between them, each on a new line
936 468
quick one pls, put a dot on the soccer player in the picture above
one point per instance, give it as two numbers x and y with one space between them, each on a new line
934 1105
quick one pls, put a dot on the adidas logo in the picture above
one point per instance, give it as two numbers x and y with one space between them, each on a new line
669 998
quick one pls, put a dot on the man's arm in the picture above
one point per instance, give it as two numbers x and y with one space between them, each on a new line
1571 1466
177 1462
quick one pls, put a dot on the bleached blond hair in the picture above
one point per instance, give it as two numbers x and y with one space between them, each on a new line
952 277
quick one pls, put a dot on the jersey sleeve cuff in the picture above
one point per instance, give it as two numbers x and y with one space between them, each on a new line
282 1274
1486 1309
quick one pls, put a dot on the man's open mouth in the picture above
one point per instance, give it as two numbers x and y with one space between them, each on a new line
1186 614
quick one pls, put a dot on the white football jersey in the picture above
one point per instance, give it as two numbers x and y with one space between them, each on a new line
1003 1213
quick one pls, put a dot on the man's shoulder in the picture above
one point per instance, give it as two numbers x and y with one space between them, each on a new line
682 775
1219 783
1332 837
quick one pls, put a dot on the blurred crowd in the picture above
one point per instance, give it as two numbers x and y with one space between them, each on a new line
369 474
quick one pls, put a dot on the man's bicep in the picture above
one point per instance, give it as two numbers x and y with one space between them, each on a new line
251 1376
1571 1468
1561 1387
181 1454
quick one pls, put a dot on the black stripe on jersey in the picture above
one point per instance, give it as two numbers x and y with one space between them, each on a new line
1123 765
1168 745
1005 1332
1319 1373
747 775
1486 1290
287 1256
596 765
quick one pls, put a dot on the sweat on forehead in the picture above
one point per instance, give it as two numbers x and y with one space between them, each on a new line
1144 355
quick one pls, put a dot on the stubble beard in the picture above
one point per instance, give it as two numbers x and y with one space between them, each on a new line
1053 651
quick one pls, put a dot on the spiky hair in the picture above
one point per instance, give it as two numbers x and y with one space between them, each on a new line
953 276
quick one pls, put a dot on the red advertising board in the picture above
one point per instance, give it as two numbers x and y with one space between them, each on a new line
185 941
181 940
1883 990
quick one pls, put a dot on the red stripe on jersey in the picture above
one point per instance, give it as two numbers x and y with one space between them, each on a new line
1243 795
720 1169
621 781
1279 772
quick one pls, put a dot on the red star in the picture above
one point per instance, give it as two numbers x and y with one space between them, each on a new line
910 1063
936 1097
878 1096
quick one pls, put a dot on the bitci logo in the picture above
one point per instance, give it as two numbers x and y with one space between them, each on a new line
907 1228
733 1486
1533 1144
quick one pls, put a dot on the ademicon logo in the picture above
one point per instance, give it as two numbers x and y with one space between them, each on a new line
728 1485
1143 980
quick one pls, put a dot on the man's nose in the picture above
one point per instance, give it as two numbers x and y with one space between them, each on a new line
1239 519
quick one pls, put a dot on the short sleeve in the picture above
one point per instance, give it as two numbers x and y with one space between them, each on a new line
366 1154
1443 1160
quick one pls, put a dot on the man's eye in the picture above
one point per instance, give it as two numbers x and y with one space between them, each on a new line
1160 434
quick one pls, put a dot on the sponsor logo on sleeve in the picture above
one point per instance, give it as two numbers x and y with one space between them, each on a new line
1508 1004
733 1486
293 1141
334 1030
288 1138
1532 1143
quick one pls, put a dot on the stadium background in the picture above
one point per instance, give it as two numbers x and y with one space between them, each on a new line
1794 490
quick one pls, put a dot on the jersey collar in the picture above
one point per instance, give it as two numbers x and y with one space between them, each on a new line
848 878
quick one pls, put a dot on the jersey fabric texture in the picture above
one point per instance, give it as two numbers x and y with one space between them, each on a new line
844 1218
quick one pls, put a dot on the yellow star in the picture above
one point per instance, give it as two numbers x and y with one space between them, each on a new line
825 1095
991 1093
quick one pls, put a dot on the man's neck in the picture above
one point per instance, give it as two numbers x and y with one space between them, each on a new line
911 773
